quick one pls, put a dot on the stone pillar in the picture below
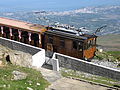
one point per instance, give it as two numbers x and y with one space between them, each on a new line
29 34
19 32
10 33
39 40
55 64
2 30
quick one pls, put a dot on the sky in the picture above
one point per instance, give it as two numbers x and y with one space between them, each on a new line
52 5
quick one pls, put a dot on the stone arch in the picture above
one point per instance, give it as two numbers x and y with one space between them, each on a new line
0 32
15 34
35 39
6 32
24 37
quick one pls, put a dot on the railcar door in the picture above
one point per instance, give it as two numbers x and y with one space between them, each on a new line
78 49
49 43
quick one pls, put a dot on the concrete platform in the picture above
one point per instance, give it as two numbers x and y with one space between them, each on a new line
70 84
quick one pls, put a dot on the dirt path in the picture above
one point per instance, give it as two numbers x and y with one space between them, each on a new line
50 75
61 83
70 84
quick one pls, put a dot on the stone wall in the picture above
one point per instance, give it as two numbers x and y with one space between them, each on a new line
38 54
88 67
14 45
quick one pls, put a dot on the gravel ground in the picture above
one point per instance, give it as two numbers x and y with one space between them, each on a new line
106 63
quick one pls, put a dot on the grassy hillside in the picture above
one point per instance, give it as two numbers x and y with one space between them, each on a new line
109 42
33 78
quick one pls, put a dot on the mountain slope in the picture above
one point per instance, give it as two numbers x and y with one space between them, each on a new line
90 17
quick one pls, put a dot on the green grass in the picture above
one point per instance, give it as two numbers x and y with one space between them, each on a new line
33 77
115 54
108 55
93 78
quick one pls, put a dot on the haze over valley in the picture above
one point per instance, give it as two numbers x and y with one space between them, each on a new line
90 17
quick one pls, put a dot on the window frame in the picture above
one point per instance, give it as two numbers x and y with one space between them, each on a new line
78 45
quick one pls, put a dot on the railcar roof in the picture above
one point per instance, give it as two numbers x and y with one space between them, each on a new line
69 34
22 25
64 34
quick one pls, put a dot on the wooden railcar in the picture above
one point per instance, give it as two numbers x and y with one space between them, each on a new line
68 43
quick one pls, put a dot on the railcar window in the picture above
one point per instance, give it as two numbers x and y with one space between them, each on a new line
74 44
94 41
62 42
77 45
80 46
90 43
85 46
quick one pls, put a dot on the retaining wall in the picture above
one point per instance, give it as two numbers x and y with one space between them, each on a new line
88 67
14 45
38 54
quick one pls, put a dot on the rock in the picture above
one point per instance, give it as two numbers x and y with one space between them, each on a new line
1 55
15 57
19 75
3 51
21 59
100 50
28 88
38 84
4 86
1 63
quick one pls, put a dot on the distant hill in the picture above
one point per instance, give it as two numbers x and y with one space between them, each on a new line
90 17
109 42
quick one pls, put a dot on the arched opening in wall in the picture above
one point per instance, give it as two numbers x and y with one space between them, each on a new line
35 39
8 59
15 34
0 32
6 32
24 37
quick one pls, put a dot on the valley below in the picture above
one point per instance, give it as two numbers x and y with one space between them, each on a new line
109 42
